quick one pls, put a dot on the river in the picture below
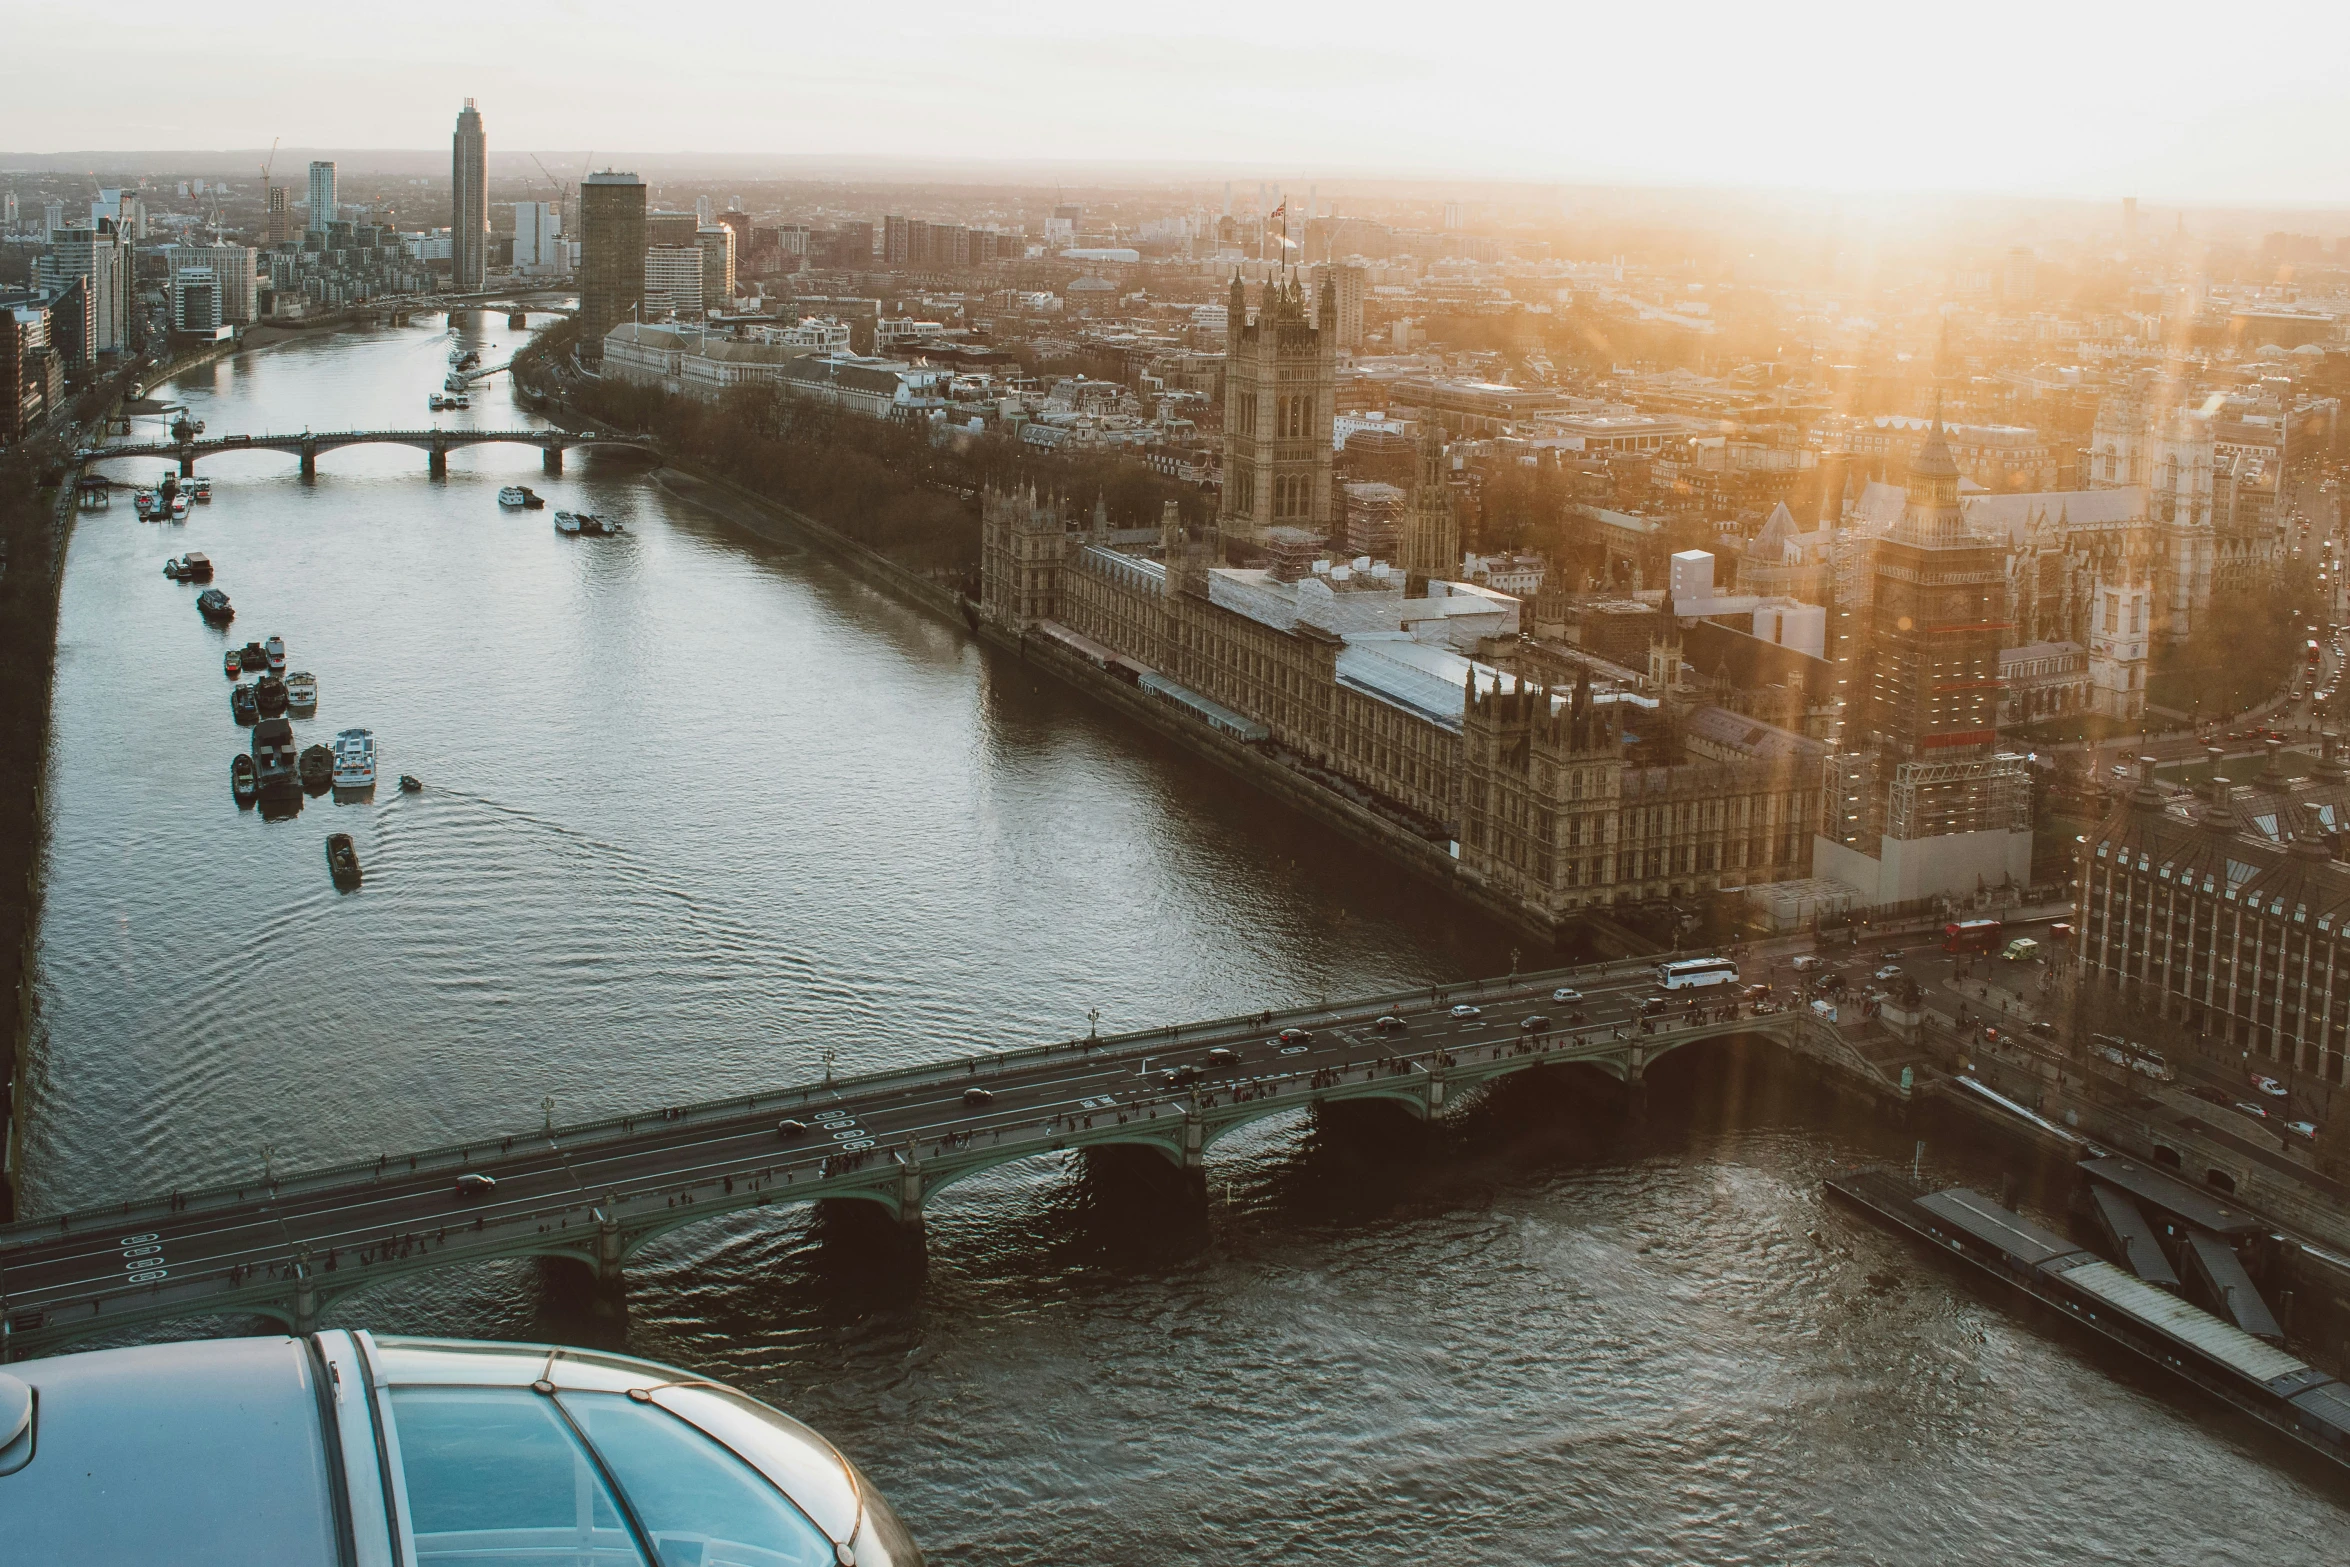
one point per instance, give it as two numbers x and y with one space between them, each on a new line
698 806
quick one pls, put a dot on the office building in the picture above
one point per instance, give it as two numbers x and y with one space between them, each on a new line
322 196
469 203
611 255
673 282
99 255
718 257
671 228
232 267
195 301
1280 393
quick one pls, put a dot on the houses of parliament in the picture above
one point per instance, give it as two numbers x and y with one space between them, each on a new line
1384 682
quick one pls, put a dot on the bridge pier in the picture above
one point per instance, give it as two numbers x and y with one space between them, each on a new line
910 1191
517 321
551 462
305 1295
309 458
607 1244
452 318
436 462
187 463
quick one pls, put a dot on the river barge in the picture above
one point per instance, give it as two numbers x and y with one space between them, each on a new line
2269 1383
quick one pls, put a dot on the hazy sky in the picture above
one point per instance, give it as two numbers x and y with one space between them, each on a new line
2164 101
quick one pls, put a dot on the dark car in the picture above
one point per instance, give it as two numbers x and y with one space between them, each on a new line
1533 1025
1177 1076
1297 1036
1223 1055
1829 984
1388 1025
978 1096
2211 1095
1650 1006
789 1129
474 1184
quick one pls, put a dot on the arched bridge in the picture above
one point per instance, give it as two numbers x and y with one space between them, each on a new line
286 1245
436 443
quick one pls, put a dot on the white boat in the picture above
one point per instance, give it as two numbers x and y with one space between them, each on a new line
275 647
179 508
144 500
513 497
567 522
355 759
436 402
301 691
203 491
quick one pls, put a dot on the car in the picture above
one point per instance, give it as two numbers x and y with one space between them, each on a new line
978 1096
2268 1085
1887 974
475 1184
2302 1128
1650 1006
1563 993
2252 1110
1389 1025
1177 1076
1223 1055
2210 1095
1756 992
2042 1027
788 1129
1297 1036
1534 1024
1829 984
1809 964
1464 1010
1892 952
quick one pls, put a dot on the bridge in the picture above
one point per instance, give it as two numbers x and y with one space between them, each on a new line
288 1245
435 442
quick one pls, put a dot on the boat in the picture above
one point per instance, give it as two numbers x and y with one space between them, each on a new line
179 508
317 768
143 501
273 756
214 606
302 691
244 706
172 568
567 523
532 500
411 784
514 497
269 695
596 526
202 490
275 651
355 759
342 860
242 778
253 657
231 664
195 567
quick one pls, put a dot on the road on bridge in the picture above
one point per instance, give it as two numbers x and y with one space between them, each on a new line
237 1249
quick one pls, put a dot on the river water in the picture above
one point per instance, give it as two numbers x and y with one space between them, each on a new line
698 806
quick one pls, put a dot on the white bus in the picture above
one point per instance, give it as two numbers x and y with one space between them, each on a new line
1690 973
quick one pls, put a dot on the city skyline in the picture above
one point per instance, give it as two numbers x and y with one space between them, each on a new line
1804 102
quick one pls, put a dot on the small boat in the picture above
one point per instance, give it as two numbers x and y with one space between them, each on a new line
202 490
317 768
253 656
460 401
242 778
244 706
568 523
513 497
275 651
269 695
436 402
273 756
596 526
172 568
195 566
214 606
342 861
302 691
411 784
532 500
355 759
144 503
179 508
231 664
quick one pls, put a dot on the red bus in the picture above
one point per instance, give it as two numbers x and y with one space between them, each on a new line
1971 936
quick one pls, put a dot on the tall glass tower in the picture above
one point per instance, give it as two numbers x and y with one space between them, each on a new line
469 213
322 196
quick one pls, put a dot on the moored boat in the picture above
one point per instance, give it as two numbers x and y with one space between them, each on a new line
302 691
513 497
342 860
253 656
144 503
243 778
567 523
244 706
317 767
179 508
202 490
273 756
195 566
532 500
275 651
214 606
355 759
231 665
269 695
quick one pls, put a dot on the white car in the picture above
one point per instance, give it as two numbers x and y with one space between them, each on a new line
2269 1086
1890 971
1807 963
1564 994
2302 1128
2253 1110
1465 1010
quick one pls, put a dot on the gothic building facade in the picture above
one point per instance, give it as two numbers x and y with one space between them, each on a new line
1432 530
1280 396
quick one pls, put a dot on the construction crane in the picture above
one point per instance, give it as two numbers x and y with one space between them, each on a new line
267 165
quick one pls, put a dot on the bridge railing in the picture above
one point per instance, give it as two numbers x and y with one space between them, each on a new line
454 1158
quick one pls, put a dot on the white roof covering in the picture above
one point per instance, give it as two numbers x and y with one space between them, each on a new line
2135 1298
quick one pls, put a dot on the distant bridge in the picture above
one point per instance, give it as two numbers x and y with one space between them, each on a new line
435 443
286 1245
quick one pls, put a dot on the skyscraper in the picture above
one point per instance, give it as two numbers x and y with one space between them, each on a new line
99 255
278 226
469 203
322 195
611 255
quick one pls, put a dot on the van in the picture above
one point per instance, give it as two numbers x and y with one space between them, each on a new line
2022 950
1825 1010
